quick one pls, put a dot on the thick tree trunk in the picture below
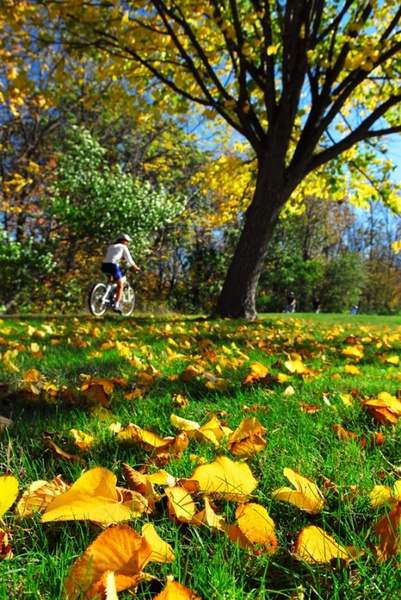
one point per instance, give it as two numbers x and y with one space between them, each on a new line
237 298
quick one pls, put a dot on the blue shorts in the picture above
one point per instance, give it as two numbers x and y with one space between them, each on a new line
112 269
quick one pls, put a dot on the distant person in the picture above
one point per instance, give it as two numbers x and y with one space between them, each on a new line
116 252
316 305
355 310
291 303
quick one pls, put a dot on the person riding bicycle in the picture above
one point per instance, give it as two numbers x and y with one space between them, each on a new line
291 303
117 251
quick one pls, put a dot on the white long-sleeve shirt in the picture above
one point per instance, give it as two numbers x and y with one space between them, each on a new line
116 252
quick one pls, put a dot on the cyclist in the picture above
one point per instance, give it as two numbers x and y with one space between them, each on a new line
117 251
291 303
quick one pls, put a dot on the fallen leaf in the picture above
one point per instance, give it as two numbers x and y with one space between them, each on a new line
247 439
382 494
257 372
146 439
161 551
180 400
180 504
82 440
352 370
385 409
314 546
306 495
176 591
226 479
38 495
94 497
5 548
118 549
59 453
257 526
355 352
387 531
8 492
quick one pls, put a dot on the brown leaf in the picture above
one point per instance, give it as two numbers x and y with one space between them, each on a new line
59 453
387 530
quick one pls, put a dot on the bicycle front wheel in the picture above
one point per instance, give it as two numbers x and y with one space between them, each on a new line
127 303
95 301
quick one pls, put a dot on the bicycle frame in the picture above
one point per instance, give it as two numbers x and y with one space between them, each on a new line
110 286
102 296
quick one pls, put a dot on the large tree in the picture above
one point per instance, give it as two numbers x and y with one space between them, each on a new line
303 81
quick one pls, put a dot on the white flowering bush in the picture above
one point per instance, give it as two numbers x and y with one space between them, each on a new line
93 200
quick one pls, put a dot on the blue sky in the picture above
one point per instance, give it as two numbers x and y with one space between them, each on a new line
394 153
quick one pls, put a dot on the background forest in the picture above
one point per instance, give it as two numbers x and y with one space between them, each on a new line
76 188
83 158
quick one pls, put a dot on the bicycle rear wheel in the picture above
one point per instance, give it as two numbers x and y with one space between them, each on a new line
95 301
127 303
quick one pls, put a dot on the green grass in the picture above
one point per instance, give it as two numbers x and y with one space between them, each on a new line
70 349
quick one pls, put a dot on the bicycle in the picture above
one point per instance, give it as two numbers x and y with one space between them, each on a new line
102 297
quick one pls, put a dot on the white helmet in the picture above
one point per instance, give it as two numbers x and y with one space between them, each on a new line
123 237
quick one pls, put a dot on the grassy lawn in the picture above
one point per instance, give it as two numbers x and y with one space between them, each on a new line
99 375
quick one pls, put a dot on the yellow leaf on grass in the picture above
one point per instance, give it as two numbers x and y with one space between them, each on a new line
315 546
382 494
176 591
393 360
348 399
180 400
209 517
295 366
135 434
257 525
161 551
144 484
82 440
257 371
212 431
216 383
8 492
247 438
173 449
306 495
106 384
352 370
355 352
32 376
184 424
118 549
94 497
226 479
180 504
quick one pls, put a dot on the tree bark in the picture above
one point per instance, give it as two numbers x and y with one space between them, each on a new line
238 296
